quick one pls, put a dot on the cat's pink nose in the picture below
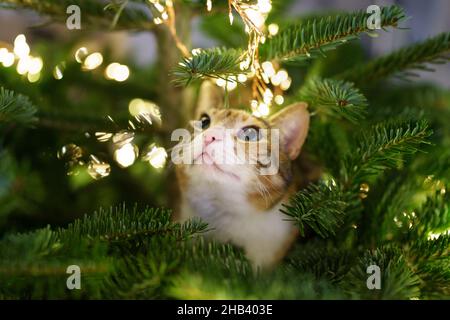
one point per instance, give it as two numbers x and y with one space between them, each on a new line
212 135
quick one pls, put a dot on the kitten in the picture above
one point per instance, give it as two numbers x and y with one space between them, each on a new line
239 201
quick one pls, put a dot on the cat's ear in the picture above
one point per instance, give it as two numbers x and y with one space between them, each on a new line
210 97
293 123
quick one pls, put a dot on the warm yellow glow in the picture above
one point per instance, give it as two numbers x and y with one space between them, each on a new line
21 48
35 65
273 29
93 61
20 39
6 58
221 82
268 68
58 73
262 110
264 6
126 155
268 96
3 53
159 6
242 78
9 60
196 51
208 5
23 65
279 77
139 107
98 169
256 17
286 84
117 71
157 157
283 75
230 84
279 99
81 54
243 65
435 235
103 136
110 70
33 77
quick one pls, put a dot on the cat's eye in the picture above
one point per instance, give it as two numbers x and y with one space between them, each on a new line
205 121
250 133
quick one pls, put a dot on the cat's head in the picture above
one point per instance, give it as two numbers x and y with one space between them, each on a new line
234 148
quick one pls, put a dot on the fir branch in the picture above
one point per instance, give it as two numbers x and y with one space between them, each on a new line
94 14
214 63
383 147
435 50
334 98
323 260
314 37
15 108
433 217
318 206
398 281
120 224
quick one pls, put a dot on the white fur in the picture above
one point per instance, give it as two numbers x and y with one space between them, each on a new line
223 204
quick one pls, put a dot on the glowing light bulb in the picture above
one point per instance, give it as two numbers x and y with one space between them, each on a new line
286 84
139 108
221 82
260 109
58 72
20 39
9 59
6 58
159 7
122 73
268 96
273 29
3 53
283 75
35 65
196 51
93 61
268 68
81 54
263 109
242 78
256 17
33 77
23 65
98 169
126 155
21 48
264 6
157 157
117 71
279 99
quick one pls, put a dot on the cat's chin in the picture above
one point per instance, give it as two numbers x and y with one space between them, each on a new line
207 165
216 169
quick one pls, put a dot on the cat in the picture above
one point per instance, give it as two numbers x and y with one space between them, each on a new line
241 205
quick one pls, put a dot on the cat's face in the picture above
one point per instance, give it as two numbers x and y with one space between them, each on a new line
233 148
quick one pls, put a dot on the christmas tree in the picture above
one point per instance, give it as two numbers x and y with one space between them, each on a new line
85 185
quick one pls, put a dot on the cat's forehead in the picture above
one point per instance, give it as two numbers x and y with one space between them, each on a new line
233 117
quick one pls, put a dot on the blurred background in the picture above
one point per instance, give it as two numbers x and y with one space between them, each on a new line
38 187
